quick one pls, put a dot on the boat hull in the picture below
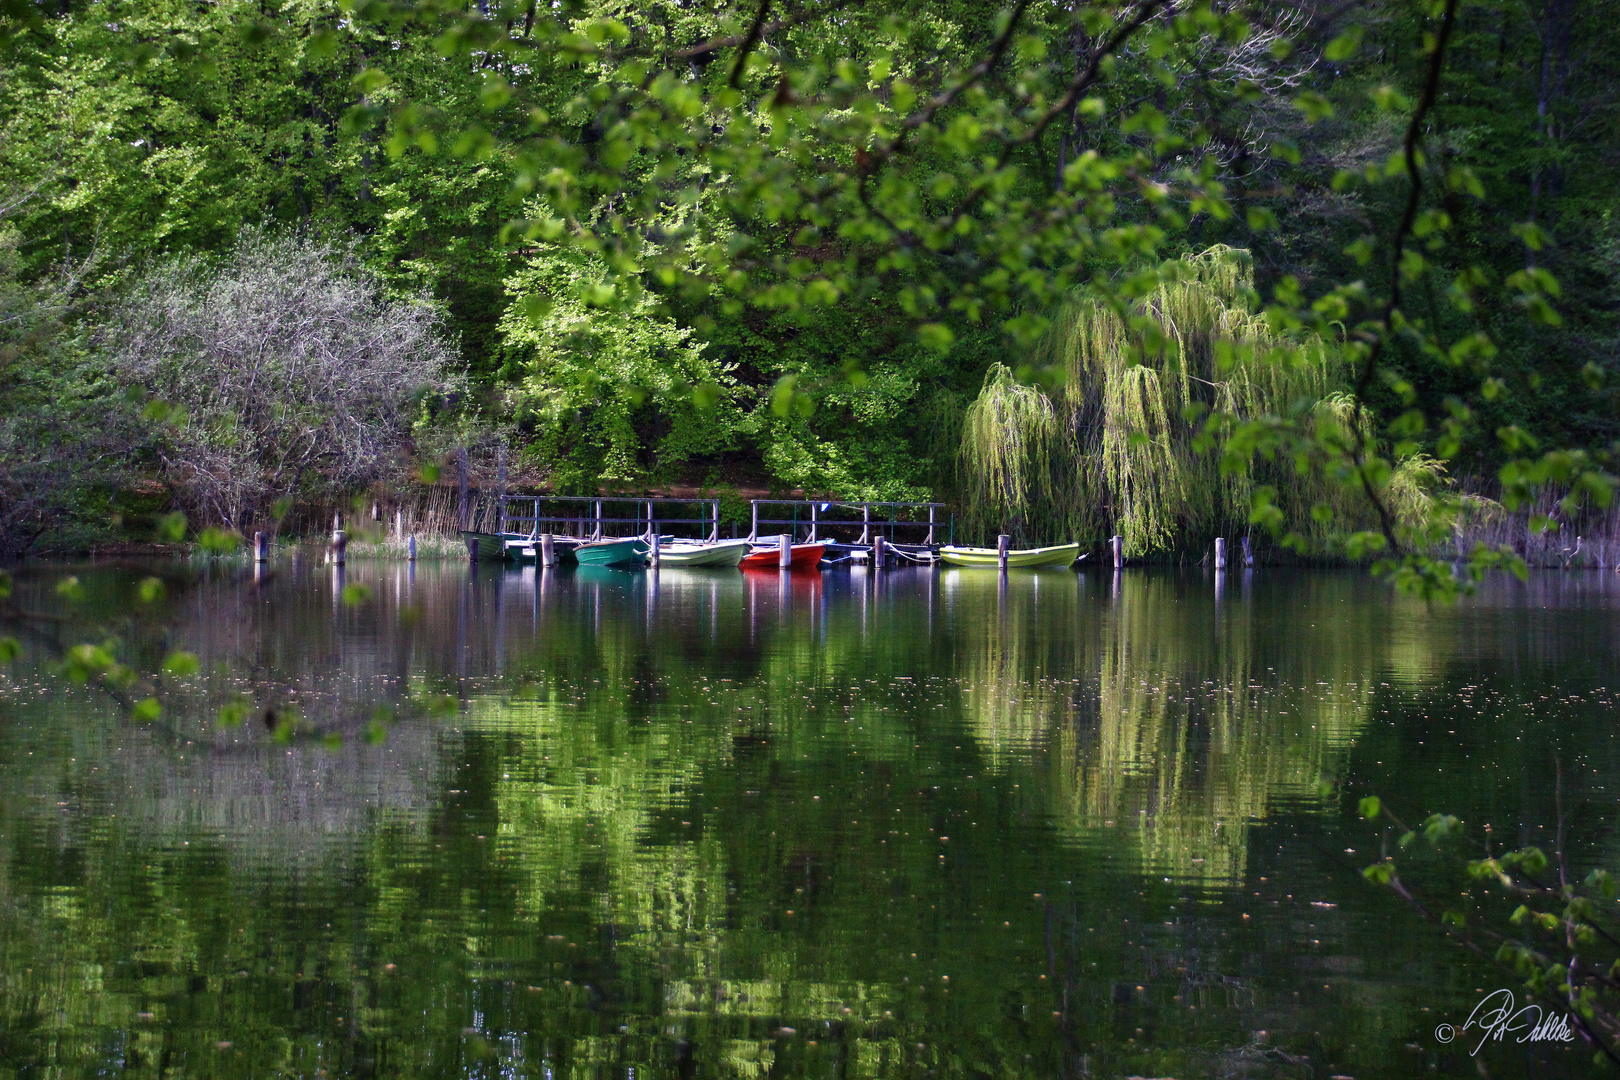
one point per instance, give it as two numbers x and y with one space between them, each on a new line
491 546
723 553
630 550
802 556
1061 555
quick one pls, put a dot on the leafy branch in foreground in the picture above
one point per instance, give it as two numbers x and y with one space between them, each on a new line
1561 937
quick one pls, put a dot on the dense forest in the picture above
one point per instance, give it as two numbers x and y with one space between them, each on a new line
1167 269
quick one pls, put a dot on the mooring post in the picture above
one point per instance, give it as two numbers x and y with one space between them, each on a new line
596 533
714 533
548 551
814 520
411 549
1220 553
340 543
930 540
654 552
1003 542
880 556
784 551
650 530
261 547
1248 556
1118 545
753 529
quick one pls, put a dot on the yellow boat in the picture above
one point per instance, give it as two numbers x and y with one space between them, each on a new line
1062 555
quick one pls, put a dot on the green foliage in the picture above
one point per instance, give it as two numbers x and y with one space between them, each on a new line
1559 936
608 382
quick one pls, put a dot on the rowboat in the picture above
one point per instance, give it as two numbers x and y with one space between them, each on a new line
1062 555
616 552
800 556
690 553
491 546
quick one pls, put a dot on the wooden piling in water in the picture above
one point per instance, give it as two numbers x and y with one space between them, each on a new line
411 549
1118 545
548 551
340 542
1003 543
784 551
1220 553
653 553
261 547
880 553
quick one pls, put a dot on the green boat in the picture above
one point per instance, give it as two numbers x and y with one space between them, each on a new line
616 552
718 553
1062 555
491 546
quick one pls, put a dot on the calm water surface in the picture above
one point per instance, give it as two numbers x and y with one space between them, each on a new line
484 823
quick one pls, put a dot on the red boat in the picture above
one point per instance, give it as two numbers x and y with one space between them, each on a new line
801 557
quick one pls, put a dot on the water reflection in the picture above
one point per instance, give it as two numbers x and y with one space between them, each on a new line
694 822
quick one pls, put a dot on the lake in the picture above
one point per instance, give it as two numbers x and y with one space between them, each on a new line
484 822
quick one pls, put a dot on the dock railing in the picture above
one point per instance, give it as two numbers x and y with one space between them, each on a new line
825 517
587 517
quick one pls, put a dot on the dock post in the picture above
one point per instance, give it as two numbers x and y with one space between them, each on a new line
814 520
880 557
1248 556
548 551
1003 542
654 552
1118 545
340 543
261 547
411 549
714 533
930 540
596 532
784 551
753 530
1220 553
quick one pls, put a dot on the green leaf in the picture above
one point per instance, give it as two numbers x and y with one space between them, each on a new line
70 590
936 336
1370 806
356 594
9 649
181 664
234 713
1344 46
217 541
1380 873
147 710
150 590
172 527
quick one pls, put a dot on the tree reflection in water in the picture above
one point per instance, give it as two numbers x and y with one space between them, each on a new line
720 824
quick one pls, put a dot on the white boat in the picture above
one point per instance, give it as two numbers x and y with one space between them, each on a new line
697 553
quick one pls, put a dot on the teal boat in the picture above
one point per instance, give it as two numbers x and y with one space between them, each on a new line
616 552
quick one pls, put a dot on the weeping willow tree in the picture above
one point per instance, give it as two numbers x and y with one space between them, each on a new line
1123 444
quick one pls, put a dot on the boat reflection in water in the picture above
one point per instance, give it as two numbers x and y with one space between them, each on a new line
694 821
